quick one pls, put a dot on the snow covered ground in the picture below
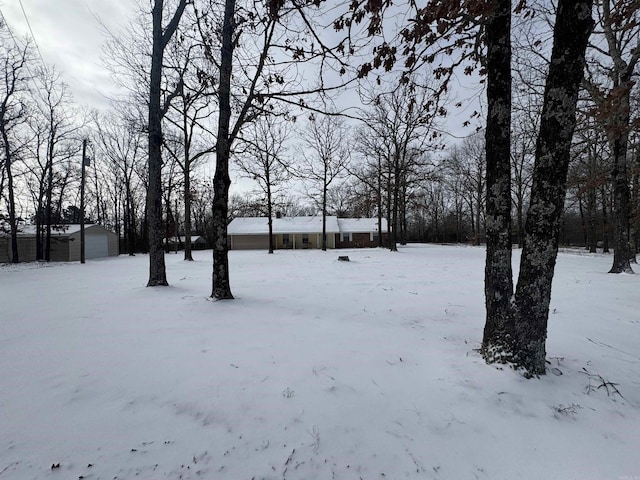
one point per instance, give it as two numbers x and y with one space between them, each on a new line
318 370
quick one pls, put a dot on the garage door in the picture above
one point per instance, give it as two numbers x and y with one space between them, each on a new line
250 242
96 246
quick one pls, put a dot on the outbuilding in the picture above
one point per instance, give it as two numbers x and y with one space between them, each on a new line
65 243
198 242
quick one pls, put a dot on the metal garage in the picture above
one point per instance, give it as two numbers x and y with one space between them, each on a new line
65 243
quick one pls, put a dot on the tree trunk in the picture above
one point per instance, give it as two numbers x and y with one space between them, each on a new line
169 224
157 271
269 210
130 230
635 213
403 211
390 232
160 39
621 196
533 292
478 213
48 212
325 187
395 199
498 277
520 213
221 288
592 238
605 221
187 212
379 203
583 222
12 202
39 249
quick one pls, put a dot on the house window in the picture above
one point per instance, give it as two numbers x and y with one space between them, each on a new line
346 237
374 236
285 238
305 239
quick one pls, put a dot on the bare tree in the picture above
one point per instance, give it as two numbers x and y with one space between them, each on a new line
524 130
14 58
465 165
120 145
189 114
324 156
60 141
265 76
589 175
369 170
263 161
618 26
398 127
157 110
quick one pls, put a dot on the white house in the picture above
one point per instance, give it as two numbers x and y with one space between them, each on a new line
246 233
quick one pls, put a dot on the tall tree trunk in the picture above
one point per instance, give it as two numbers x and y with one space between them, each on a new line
160 39
498 276
403 211
187 211
533 292
583 221
619 138
390 231
472 221
221 288
605 221
48 212
635 212
125 226
590 219
592 237
269 210
520 214
157 271
379 204
130 230
325 187
39 248
479 191
169 225
188 256
13 223
393 240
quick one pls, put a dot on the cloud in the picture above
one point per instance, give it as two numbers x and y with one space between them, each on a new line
71 38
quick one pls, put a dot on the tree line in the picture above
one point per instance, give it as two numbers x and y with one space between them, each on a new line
261 89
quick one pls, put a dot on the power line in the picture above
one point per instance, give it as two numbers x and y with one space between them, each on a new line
31 31
32 77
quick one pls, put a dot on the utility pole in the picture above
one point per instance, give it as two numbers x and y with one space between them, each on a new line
85 162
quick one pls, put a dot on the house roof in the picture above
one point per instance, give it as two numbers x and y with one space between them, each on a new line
361 225
56 230
260 226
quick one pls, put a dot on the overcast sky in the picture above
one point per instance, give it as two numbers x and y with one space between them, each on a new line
69 36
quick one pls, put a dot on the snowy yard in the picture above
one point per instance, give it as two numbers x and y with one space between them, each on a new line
318 370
